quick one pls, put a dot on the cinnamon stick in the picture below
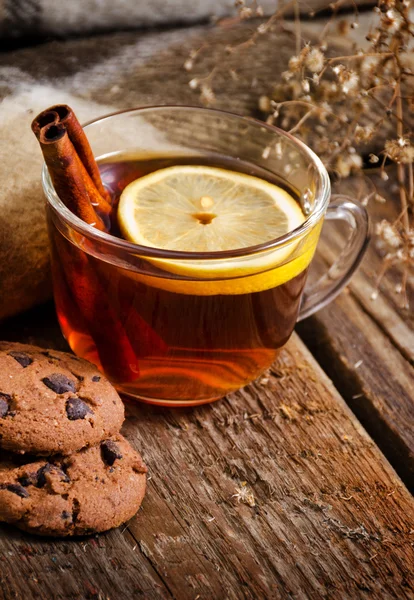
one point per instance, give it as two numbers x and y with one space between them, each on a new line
68 173
67 157
61 113
47 117
85 284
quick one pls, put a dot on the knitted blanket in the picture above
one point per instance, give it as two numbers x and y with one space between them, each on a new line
37 18
59 17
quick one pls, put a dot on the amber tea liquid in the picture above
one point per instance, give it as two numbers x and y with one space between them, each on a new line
165 346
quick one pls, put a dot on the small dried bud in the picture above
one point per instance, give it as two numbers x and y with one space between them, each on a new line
363 134
373 158
188 65
207 94
400 150
295 64
193 84
245 13
369 64
392 21
315 60
305 86
351 84
286 75
264 104
388 234
345 163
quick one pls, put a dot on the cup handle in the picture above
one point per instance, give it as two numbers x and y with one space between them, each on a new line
331 283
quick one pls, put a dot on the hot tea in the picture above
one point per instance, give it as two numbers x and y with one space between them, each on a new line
160 330
184 275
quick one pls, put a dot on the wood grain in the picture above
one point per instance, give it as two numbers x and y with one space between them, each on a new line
274 492
367 346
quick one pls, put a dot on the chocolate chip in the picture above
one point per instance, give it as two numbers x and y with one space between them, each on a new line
48 355
77 409
66 515
59 383
110 452
49 469
22 358
96 378
5 400
29 479
15 488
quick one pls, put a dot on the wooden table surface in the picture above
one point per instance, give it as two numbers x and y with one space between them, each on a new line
297 486
286 489
274 492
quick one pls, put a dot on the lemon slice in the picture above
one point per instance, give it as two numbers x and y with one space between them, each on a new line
205 209
208 209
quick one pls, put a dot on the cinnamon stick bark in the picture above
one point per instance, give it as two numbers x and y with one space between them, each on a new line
68 173
81 144
70 161
63 114
85 284
47 117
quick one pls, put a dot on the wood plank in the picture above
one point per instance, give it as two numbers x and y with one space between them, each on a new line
90 568
274 492
367 346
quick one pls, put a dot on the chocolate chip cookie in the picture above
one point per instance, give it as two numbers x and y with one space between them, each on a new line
92 490
52 402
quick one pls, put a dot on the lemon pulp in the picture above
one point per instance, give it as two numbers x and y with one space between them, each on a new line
208 209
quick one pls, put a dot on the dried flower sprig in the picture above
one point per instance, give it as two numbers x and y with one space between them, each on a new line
345 106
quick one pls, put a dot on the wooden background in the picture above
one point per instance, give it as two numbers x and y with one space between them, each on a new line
298 486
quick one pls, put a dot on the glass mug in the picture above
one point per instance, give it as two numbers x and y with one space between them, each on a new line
185 328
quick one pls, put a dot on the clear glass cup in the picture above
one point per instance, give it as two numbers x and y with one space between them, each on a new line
184 328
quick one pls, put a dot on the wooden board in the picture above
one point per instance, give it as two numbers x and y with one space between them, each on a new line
366 345
274 492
